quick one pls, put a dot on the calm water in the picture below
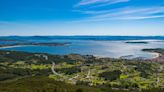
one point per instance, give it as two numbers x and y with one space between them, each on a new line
113 49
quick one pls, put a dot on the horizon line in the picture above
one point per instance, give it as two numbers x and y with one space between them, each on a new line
87 35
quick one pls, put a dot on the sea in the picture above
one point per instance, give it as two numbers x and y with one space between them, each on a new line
100 46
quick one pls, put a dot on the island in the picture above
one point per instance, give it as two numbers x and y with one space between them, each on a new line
137 42
41 72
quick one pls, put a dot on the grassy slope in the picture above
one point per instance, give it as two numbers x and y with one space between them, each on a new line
44 84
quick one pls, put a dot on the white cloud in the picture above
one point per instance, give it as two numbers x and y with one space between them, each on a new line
100 12
126 13
133 12
99 2
110 2
123 12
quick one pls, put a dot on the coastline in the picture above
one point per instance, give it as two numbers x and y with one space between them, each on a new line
156 55
33 44
159 56
5 47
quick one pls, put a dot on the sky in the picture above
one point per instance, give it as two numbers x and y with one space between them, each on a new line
82 17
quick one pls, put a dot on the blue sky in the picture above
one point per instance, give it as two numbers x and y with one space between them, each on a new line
81 17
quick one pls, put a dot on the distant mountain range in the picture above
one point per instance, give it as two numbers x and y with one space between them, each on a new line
12 38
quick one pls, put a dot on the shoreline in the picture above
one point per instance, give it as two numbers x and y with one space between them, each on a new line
33 44
158 52
5 47
155 55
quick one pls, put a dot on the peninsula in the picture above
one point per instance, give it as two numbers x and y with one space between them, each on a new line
34 44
